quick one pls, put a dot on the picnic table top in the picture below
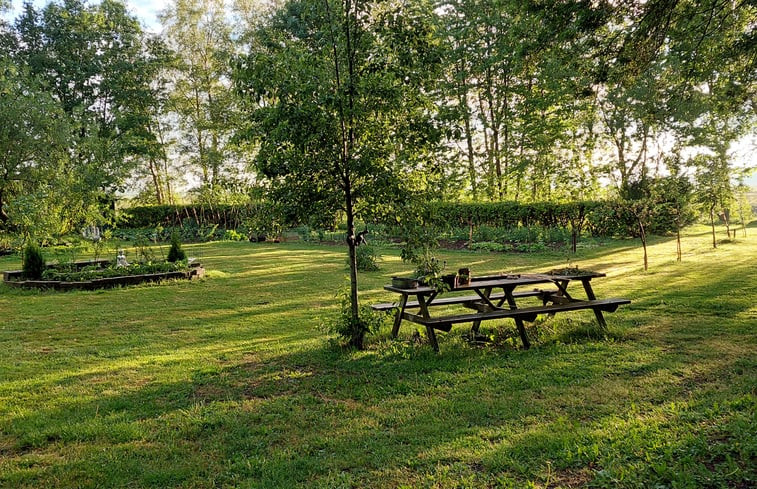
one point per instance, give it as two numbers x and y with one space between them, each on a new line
500 280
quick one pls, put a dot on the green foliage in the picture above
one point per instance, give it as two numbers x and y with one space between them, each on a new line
95 272
367 258
176 253
232 235
346 326
227 216
92 61
34 261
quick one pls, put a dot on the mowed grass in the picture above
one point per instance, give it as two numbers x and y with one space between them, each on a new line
228 382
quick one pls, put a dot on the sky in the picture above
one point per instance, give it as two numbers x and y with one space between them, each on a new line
145 10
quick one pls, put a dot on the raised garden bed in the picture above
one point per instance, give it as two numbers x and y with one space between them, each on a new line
14 278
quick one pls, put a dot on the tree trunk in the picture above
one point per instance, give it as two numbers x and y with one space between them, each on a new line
3 215
155 172
712 223
678 243
643 234
463 101
356 339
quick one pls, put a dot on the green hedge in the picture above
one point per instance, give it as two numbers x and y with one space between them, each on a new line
509 214
600 218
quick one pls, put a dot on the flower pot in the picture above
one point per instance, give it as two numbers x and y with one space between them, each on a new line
449 280
404 282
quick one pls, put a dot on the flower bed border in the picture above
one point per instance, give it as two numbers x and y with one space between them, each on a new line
12 277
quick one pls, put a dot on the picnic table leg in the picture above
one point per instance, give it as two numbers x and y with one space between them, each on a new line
518 322
398 317
474 327
424 312
485 295
597 313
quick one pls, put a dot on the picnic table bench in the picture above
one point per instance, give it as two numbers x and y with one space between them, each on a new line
498 305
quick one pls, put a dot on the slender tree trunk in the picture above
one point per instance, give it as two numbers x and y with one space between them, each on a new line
489 158
471 154
643 235
155 172
462 99
678 243
3 215
495 133
712 223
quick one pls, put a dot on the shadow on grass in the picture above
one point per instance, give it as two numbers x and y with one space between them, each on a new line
305 416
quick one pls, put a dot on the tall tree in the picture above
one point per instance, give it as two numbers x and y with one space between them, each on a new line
33 139
91 59
198 31
344 108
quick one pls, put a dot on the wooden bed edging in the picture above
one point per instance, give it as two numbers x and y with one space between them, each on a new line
107 282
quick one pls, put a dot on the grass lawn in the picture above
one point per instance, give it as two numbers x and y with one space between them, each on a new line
228 382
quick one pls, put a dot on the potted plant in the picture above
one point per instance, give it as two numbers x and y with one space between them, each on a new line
463 276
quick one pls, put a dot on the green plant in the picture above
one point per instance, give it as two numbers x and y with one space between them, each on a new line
176 253
144 251
367 258
232 235
34 262
94 272
345 326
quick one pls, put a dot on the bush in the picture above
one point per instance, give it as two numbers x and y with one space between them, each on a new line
34 262
367 258
232 235
353 330
176 253
223 215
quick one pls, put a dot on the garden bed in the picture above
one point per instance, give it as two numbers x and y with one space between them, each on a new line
14 278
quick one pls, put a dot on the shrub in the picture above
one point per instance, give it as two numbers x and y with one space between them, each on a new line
232 235
176 253
367 258
34 262
353 330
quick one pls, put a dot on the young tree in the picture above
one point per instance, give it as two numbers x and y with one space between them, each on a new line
344 109
713 186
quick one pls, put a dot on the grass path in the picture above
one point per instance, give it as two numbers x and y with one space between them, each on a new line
227 382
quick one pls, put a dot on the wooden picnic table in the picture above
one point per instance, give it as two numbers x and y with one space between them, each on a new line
491 303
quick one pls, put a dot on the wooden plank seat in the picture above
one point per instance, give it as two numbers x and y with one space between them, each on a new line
445 301
444 323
